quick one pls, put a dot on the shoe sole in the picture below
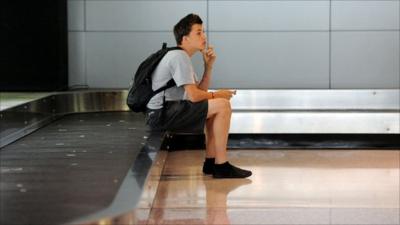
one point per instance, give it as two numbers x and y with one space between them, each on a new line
223 177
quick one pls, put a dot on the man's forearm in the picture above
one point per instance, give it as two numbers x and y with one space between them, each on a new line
205 82
196 95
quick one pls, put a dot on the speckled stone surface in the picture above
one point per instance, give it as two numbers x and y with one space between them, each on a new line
70 168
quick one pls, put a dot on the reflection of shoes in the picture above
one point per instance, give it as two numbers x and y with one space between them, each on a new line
226 170
208 166
225 185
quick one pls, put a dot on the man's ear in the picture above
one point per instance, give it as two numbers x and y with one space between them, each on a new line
185 38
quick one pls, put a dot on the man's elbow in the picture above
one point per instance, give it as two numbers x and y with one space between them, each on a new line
192 97
192 93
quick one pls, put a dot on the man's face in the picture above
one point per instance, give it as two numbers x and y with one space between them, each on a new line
197 38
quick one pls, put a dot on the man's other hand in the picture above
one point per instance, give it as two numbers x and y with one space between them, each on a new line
227 94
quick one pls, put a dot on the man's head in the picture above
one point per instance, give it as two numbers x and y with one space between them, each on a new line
189 31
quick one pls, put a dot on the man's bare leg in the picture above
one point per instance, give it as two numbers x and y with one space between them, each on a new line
217 130
220 112
210 139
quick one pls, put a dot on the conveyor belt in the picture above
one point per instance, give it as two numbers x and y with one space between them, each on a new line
71 168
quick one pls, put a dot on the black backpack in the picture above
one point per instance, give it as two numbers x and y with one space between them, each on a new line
141 91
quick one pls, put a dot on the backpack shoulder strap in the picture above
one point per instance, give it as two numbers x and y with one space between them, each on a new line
175 48
164 47
169 84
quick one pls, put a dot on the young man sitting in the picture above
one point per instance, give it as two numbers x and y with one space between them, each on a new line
189 106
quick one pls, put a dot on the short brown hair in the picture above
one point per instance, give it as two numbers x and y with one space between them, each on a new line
184 26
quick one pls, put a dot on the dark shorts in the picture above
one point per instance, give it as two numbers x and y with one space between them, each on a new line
179 116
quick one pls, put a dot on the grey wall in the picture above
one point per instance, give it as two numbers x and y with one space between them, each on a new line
260 44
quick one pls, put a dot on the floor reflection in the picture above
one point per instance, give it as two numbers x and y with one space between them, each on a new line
216 194
287 187
208 199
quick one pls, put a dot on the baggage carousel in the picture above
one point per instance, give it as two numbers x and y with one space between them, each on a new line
82 157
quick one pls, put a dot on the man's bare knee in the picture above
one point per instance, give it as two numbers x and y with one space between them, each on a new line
218 106
226 106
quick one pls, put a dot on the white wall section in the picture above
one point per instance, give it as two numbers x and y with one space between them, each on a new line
289 44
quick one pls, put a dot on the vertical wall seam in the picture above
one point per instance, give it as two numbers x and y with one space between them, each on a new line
84 15
208 21
330 44
84 45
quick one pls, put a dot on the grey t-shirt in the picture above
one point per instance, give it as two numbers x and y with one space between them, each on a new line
176 64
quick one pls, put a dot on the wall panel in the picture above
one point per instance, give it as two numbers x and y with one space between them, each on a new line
139 15
365 15
76 59
268 15
365 60
271 60
76 15
112 58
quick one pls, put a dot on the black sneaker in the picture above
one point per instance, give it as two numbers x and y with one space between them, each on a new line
208 166
226 170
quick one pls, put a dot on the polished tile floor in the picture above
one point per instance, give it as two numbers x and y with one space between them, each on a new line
287 187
